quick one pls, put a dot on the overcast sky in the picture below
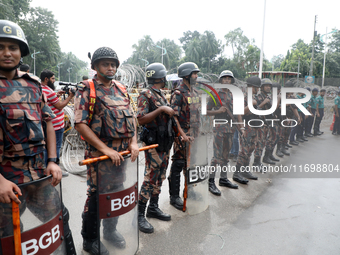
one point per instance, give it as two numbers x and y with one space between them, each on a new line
87 25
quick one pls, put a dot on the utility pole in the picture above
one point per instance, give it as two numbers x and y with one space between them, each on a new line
298 70
261 57
311 63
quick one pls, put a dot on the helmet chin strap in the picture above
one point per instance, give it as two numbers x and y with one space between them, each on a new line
107 77
12 68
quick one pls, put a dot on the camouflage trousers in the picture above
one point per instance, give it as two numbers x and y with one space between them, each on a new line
286 134
111 177
273 137
281 133
247 145
262 134
156 164
222 145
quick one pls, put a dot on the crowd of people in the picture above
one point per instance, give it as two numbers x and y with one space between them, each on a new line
31 130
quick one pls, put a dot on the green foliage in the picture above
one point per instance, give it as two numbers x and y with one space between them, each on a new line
13 10
40 28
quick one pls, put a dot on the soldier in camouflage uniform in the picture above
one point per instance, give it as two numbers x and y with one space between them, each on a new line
223 134
22 140
185 101
248 136
281 149
109 129
266 134
291 113
155 116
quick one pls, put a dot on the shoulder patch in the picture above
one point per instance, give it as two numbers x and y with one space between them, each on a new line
81 86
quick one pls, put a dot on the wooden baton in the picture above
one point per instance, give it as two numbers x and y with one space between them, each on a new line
93 160
16 227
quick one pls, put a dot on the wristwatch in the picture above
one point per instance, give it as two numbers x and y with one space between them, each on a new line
55 160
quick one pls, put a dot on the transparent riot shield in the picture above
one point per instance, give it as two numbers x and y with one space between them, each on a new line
41 222
117 210
197 162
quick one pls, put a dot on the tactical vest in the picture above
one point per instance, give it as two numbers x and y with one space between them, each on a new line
20 118
116 117
192 110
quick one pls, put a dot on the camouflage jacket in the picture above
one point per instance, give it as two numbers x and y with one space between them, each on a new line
113 116
147 101
186 104
23 110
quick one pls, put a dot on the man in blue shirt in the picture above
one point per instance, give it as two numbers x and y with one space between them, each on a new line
319 112
336 127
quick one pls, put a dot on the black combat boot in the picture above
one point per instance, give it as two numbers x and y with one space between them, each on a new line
299 139
174 183
212 187
271 156
237 177
143 224
111 234
247 174
90 237
257 165
284 150
70 249
154 212
226 183
266 158
278 151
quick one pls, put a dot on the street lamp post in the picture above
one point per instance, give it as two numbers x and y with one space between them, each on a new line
146 62
163 51
69 74
59 70
33 56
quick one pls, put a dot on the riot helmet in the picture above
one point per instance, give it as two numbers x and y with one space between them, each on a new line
11 30
104 53
186 69
254 81
289 84
266 81
227 73
155 71
276 85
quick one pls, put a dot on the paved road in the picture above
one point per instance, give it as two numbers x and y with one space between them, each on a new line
274 215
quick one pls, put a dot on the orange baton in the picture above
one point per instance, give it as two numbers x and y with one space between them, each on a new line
93 160
16 227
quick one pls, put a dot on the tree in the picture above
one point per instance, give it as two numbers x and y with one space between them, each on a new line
238 42
40 29
276 61
193 51
13 9
172 56
145 49
334 45
210 47
188 37
300 52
